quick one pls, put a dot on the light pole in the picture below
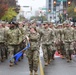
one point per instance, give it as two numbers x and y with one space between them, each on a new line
54 3
67 5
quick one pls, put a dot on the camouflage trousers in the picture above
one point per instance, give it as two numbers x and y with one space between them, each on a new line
33 59
53 49
74 47
12 50
3 51
61 48
46 52
69 50
22 46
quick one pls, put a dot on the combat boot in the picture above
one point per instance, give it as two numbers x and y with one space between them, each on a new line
49 61
46 64
31 72
11 64
68 60
2 60
62 57
35 73
53 58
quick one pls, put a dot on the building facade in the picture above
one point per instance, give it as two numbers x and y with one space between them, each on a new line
53 10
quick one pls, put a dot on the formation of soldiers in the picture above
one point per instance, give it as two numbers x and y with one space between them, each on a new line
14 37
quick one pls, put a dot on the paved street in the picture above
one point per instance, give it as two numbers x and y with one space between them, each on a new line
57 67
61 67
20 69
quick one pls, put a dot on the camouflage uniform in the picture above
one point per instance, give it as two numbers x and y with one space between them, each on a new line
68 39
13 42
33 52
3 51
27 29
53 39
46 44
75 40
60 44
22 38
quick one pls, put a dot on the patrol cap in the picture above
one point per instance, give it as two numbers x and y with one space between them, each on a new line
45 22
20 22
33 21
3 22
60 24
14 23
33 27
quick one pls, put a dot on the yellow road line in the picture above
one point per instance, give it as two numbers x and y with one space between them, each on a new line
41 68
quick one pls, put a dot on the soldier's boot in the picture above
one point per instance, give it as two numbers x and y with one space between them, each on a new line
49 61
6 54
19 59
68 60
11 64
53 57
2 60
35 73
46 63
31 72
63 57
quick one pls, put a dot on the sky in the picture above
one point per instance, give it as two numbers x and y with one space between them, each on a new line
35 4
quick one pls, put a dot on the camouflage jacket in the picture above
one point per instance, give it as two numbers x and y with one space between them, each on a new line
47 36
13 37
34 40
69 34
2 35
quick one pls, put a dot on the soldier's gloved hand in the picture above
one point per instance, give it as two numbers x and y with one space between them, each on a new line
27 38
63 42
24 40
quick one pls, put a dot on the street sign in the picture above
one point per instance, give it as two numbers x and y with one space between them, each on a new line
26 6
62 0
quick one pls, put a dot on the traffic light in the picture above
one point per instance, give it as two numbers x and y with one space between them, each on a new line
49 10
69 3
54 3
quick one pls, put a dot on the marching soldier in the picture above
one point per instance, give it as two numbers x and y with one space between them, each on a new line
60 44
3 50
75 40
33 52
53 40
13 42
22 37
68 41
46 43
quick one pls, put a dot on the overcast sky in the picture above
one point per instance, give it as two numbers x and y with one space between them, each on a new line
35 4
